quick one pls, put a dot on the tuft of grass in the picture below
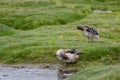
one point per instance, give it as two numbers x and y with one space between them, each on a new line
111 72
5 30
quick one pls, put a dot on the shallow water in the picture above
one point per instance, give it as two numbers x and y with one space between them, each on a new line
11 73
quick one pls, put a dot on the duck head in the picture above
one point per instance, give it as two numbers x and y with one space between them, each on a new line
80 27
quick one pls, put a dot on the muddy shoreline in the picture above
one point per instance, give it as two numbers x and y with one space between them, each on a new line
35 71
41 66
27 72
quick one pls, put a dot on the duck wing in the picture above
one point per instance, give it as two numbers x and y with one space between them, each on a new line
70 51
73 51
78 52
92 30
64 56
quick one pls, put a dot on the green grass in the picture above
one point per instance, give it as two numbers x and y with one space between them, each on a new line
31 14
111 72
32 31
5 30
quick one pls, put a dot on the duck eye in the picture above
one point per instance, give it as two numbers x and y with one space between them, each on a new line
88 30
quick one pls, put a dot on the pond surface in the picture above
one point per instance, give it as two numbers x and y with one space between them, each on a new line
27 73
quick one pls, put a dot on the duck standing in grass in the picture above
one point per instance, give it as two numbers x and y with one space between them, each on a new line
90 32
68 55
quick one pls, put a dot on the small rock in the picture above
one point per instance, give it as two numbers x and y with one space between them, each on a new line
100 11
5 75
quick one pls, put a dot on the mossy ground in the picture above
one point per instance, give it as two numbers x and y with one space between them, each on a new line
31 31
111 72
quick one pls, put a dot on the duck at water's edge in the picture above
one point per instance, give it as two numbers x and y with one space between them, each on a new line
68 55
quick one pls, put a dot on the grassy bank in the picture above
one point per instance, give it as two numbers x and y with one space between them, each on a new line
111 72
32 31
